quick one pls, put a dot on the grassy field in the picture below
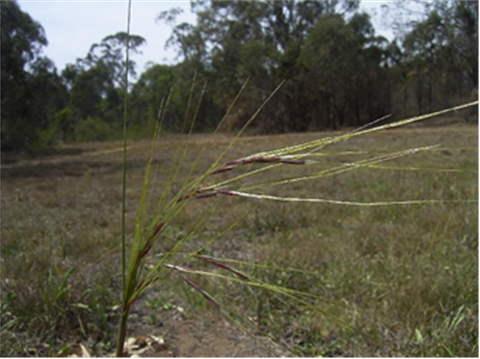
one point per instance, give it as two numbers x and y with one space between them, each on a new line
397 280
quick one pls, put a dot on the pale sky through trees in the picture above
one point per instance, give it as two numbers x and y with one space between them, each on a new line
73 26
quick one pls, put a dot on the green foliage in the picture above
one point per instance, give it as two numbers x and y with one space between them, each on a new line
150 93
109 57
97 86
87 91
264 41
31 89
337 72
440 57
96 129
64 123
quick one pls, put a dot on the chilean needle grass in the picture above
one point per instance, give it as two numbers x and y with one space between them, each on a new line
245 180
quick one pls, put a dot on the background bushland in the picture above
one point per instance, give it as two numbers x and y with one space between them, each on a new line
338 71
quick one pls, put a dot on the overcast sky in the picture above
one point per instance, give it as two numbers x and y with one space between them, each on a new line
73 26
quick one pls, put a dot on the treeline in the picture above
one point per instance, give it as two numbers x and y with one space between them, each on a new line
336 71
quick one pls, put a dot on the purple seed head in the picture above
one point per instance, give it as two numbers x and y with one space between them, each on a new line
202 292
223 169
159 227
206 195
227 192
222 265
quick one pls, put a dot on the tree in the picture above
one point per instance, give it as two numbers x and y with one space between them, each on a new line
49 93
150 92
64 122
261 40
31 89
97 81
89 88
328 57
440 54
110 53
336 70
424 50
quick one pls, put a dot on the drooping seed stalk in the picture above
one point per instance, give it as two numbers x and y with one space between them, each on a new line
133 284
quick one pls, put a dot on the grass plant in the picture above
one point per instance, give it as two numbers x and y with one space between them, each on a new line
361 243
245 180
306 154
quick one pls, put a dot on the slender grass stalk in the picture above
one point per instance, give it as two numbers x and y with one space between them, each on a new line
122 332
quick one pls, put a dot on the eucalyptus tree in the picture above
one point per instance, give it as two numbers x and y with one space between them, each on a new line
97 81
234 40
439 43
343 71
31 88
151 92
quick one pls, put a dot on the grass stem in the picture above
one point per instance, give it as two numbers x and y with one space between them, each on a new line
122 331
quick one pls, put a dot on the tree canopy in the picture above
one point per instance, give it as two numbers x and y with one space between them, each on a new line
30 85
336 70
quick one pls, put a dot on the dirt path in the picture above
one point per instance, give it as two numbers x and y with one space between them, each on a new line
182 333
178 336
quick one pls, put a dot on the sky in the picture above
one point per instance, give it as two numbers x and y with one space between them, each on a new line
72 26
